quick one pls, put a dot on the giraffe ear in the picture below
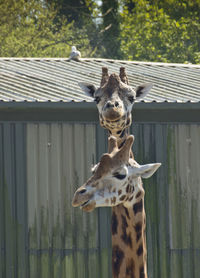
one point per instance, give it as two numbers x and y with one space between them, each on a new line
88 89
147 170
142 90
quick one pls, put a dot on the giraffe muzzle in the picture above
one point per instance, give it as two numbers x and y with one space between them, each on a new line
112 114
83 199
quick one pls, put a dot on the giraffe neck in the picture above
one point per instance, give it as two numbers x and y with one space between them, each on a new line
129 241
121 138
128 230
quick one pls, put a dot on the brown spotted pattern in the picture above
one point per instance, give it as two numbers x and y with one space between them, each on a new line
129 236
130 269
118 127
126 237
117 259
114 223
137 207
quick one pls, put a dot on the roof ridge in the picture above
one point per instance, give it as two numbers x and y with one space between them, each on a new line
102 60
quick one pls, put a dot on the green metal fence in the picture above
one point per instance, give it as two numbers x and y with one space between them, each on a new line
41 235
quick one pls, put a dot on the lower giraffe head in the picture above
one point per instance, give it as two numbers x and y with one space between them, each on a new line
116 179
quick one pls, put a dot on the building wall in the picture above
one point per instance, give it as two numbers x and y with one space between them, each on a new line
172 197
41 235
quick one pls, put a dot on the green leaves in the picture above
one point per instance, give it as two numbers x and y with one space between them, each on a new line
154 33
29 28
145 30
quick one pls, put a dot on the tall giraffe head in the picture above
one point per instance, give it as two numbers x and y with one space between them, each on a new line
115 99
116 179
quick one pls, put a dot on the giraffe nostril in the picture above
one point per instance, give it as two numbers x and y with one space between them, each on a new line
116 103
109 104
82 191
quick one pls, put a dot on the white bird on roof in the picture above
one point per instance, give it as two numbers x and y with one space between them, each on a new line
75 54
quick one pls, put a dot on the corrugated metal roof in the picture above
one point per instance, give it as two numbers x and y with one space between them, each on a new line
52 79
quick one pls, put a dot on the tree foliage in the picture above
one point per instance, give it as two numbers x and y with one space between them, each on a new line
111 25
151 30
77 11
166 31
31 28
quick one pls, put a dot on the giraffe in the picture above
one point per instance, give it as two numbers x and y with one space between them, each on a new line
114 99
116 180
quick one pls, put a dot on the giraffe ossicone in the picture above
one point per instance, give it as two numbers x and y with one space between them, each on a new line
116 179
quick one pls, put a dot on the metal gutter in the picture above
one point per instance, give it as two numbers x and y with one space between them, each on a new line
87 112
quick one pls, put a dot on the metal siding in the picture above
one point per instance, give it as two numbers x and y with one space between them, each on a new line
21 201
184 194
41 235
63 241
13 226
172 197
2 209
168 216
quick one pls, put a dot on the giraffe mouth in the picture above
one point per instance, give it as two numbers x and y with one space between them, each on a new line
88 206
84 204
113 115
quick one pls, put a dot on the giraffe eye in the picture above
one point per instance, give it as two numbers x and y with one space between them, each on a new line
131 99
119 176
97 99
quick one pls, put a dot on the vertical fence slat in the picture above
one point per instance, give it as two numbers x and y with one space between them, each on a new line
21 200
79 216
2 208
43 146
32 195
55 196
10 201
68 190
159 142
